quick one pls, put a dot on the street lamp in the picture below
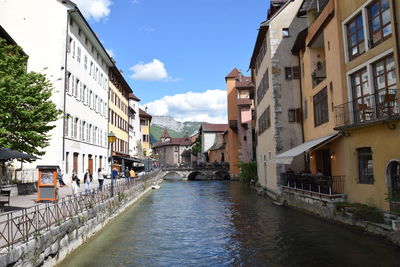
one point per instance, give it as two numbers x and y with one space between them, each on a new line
111 139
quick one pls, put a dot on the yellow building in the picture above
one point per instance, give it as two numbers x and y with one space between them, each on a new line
145 120
349 78
118 118
369 116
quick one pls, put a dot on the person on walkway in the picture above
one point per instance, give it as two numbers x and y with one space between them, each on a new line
114 175
126 174
132 174
100 177
60 178
87 179
75 183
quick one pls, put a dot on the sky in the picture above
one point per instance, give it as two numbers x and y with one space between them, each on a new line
175 54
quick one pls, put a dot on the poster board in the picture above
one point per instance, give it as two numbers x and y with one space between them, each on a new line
47 183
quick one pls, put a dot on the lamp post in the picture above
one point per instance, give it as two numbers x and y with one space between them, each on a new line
111 139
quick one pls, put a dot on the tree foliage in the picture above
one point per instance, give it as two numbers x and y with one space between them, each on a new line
196 149
248 171
26 111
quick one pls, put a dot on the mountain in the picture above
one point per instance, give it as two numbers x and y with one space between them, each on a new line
175 128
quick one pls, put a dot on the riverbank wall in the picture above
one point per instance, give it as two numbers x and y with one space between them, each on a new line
50 246
324 207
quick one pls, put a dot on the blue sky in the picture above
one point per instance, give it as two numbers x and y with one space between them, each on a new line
175 54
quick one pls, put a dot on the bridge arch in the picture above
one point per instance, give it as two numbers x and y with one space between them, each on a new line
196 175
173 175
222 175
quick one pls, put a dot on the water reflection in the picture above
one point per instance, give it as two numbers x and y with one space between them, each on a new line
220 223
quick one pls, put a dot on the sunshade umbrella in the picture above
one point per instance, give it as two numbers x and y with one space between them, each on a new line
7 154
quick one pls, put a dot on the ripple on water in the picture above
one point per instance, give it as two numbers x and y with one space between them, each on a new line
221 223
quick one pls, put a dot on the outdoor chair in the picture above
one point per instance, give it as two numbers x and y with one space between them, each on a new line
4 199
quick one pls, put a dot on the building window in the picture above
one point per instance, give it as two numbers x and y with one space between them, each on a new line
66 122
379 21
76 128
355 37
263 87
78 57
68 82
85 61
264 121
384 73
292 115
72 127
288 73
365 166
285 32
361 92
320 101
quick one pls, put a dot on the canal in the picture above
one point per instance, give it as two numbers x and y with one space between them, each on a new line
221 223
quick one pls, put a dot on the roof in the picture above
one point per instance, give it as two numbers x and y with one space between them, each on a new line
308 5
144 114
300 41
244 82
208 127
132 96
218 142
233 74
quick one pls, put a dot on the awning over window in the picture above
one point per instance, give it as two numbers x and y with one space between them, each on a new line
287 156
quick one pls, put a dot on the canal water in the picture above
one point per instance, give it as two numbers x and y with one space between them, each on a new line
222 223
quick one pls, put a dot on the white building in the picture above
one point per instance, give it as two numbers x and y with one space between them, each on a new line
61 44
135 136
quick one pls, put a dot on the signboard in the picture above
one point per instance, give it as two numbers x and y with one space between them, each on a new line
47 183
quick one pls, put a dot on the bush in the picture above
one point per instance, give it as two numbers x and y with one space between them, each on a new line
248 172
362 212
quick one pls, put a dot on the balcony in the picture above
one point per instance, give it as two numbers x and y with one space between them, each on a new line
381 105
326 187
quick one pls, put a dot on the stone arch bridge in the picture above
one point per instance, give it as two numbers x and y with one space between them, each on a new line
198 173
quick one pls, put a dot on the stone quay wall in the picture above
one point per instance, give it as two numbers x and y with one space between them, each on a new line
50 246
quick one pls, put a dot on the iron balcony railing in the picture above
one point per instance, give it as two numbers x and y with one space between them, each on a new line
326 185
381 105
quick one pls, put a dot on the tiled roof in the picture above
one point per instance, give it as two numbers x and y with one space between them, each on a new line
233 74
244 81
208 127
132 96
144 114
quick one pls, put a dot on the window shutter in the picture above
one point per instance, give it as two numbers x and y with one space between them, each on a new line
298 115
296 72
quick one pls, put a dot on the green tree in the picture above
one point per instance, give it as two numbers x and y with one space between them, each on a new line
248 172
197 146
26 111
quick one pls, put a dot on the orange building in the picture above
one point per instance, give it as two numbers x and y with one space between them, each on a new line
240 94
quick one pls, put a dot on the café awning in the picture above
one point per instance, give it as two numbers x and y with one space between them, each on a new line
287 156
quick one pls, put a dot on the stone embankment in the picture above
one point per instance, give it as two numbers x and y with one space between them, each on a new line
325 207
52 244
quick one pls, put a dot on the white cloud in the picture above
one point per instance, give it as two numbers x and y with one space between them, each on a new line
94 9
209 106
150 72
110 53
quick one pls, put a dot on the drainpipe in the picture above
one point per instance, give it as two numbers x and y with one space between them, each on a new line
396 30
301 105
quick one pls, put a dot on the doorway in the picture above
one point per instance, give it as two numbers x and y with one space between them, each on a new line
324 162
90 163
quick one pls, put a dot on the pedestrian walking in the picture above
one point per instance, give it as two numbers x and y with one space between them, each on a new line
75 183
114 175
127 174
60 178
132 174
87 179
100 177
